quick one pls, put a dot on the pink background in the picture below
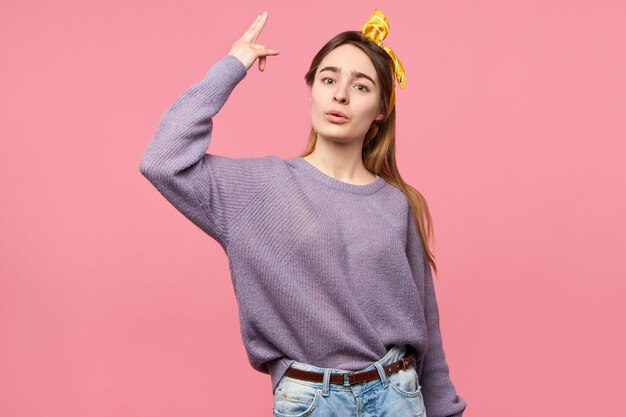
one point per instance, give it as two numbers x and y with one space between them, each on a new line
512 124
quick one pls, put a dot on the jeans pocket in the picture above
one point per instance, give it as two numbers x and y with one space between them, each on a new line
406 393
405 382
295 399
403 395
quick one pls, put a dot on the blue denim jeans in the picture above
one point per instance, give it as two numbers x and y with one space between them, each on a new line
398 395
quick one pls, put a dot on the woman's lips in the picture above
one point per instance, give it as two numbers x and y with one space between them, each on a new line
336 117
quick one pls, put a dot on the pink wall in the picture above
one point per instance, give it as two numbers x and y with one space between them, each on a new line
512 124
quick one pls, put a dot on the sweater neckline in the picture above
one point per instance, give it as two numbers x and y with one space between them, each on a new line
313 172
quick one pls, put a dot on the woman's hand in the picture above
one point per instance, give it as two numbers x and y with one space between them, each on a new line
247 51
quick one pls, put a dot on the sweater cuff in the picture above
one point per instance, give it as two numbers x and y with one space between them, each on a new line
230 71
235 64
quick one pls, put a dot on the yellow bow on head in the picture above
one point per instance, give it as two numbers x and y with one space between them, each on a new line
376 29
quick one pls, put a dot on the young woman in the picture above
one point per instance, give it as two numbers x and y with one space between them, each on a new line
327 250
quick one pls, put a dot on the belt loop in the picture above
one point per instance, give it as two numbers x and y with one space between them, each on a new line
346 379
381 372
326 389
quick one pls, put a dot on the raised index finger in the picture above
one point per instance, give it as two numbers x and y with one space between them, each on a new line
256 30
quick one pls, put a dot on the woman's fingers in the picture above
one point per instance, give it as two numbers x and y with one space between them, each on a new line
247 50
263 53
256 31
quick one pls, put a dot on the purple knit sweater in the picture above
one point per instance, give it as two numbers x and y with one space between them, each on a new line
324 271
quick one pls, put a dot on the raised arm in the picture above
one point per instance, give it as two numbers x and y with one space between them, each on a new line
206 188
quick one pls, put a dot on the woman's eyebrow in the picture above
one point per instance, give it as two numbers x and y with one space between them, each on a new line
355 74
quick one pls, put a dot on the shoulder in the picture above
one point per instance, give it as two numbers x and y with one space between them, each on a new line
394 200
396 194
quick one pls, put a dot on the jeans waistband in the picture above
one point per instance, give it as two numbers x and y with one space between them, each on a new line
393 355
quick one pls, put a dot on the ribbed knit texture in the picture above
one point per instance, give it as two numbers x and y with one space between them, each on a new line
324 272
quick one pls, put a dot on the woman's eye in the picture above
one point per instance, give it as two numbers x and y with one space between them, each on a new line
362 87
327 80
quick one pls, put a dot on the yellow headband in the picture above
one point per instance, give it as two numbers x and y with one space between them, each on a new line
376 29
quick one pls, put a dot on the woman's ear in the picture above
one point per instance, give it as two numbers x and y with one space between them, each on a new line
380 116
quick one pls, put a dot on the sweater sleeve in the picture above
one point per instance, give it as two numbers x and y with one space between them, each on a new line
440 397
208 189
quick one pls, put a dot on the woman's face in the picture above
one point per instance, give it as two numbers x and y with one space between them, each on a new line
345 95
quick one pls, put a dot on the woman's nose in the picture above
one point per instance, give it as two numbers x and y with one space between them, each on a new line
340 96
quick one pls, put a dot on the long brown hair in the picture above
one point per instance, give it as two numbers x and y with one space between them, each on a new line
379 156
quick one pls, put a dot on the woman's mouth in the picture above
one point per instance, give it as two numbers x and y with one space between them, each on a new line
336 117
